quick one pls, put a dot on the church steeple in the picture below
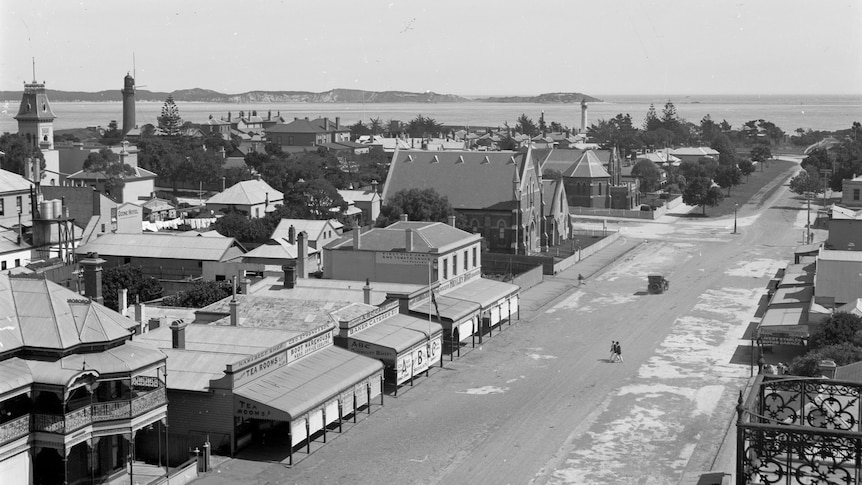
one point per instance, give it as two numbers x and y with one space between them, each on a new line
35 117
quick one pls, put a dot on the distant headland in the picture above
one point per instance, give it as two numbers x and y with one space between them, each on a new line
198 95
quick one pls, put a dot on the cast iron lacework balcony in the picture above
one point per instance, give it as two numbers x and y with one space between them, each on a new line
14 429
799 430
147 394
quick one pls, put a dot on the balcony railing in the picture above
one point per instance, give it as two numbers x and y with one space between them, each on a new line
102 411
800 431
14 429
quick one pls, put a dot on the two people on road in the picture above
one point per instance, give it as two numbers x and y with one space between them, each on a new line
616 352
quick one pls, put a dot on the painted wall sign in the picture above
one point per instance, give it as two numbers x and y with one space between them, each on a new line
374 351
371 321
411 259
460 279
260 368
776 340
309 346
250 409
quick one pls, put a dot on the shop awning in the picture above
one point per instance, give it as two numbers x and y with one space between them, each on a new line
450 308
483 291
398 333
797 296
295 389
783 326
125 359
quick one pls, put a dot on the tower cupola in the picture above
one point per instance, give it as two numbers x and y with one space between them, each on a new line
35 117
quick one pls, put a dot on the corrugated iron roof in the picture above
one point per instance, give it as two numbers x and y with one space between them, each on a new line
313 228
295 389
427 236
588 166
276 313
483 291
468 179
15 375
247 192
42 314
12 182
166 246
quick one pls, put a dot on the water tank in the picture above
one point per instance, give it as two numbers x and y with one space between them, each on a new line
58 208
46 209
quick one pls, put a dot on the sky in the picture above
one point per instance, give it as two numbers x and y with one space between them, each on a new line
470 48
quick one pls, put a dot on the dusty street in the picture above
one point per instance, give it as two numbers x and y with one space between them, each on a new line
540 403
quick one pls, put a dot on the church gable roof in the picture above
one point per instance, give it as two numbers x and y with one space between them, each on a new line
588 166
468 179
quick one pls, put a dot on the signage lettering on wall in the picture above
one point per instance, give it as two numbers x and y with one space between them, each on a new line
411 259
263 367
249 409
372 321
460 279
309 346
370 350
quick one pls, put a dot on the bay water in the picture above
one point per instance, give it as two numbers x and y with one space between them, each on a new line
824 112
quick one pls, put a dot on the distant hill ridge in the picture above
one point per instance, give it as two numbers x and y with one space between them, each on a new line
332 96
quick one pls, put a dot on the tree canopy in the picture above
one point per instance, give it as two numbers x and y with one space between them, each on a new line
700 191
728 176
131 278
805 181
201 294
649 175
418 204
169 121
422 127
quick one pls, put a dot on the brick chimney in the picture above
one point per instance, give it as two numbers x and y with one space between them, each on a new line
289 276
408 243
123 300
451 220
374 186
245 286
357 233
366 292
178 334
141 314
291 235
337 122
93 277
302 255
402 218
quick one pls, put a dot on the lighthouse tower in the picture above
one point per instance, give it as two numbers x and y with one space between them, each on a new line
128 103
583 115
35 117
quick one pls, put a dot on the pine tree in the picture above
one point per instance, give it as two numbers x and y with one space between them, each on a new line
170 122
651 122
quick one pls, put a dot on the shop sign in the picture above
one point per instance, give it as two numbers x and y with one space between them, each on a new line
460 279
405 368
435 349
260 368
779 340
256 357
403 258
374 320
309 346
371 350
249 409
419 355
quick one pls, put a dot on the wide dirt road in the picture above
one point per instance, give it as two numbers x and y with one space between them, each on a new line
540 403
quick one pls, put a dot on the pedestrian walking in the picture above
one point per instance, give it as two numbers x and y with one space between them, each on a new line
619 352
613 357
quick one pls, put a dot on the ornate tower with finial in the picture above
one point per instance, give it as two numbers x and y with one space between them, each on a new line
35 117
128 103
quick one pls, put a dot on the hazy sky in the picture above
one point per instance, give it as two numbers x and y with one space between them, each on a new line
455 47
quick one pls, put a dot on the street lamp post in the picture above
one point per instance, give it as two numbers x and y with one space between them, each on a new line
735 207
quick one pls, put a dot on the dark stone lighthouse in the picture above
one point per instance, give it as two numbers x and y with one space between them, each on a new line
128 103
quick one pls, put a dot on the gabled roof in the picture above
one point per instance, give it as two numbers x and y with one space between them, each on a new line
156 204
694 151
140 173
160 245
850 372
12 182
247 192
358 195
297 126
588 166
41 314
313 228
468 179
428 237
552 190
276 248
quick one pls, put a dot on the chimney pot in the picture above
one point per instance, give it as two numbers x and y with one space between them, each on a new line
234 312
366 292
245 285
402 218
451 220
178 334
289 276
